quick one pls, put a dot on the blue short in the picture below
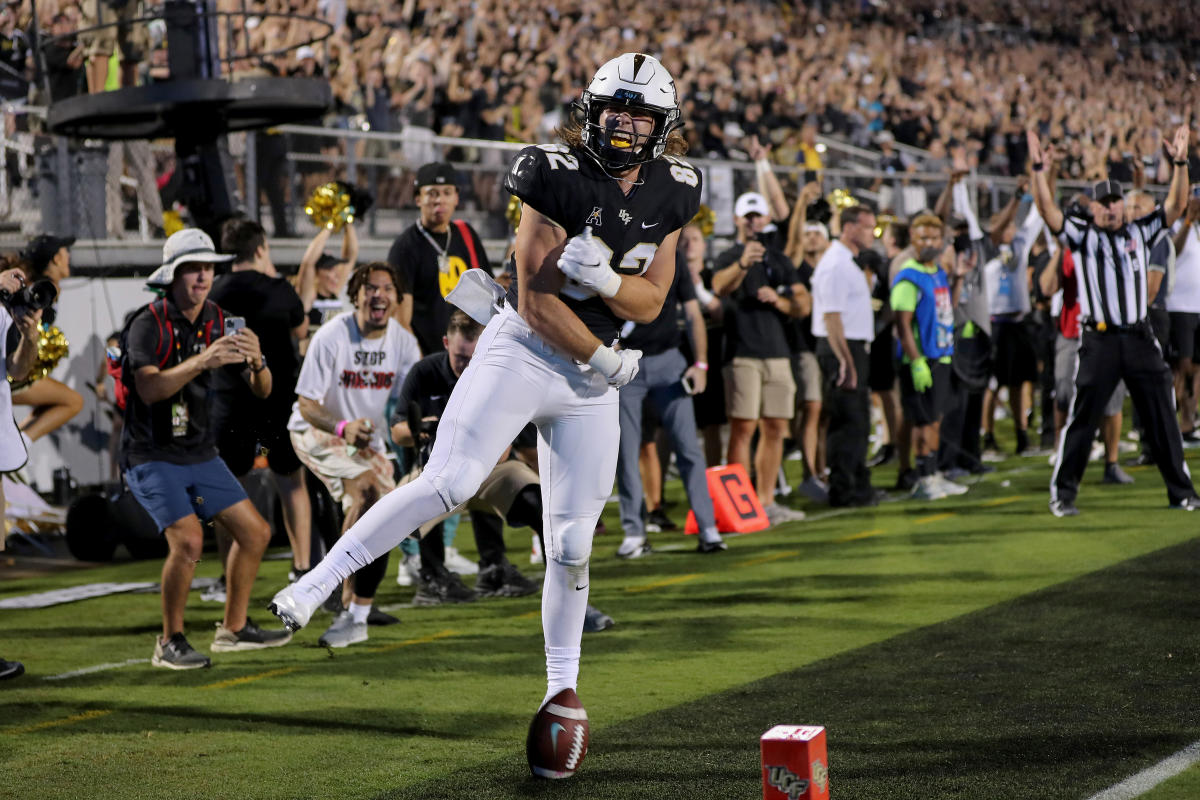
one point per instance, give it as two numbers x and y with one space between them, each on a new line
171 492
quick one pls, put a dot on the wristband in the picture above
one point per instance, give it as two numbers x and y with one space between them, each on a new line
1179 162
605 360
762 167
703 295
340 430
1038 166
701 365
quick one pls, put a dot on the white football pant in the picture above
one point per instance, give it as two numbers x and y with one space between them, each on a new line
513 378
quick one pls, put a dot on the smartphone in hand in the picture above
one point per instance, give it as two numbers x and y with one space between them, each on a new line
234 324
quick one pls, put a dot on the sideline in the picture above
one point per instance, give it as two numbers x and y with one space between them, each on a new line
1137 785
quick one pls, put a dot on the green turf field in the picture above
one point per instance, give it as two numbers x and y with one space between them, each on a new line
973 647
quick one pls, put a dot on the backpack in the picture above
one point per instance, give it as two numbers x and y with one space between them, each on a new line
118 361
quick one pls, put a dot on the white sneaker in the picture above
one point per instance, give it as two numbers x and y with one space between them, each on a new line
777 514
948 486
457 563
633 548
344 632
214 592
410 570
927 488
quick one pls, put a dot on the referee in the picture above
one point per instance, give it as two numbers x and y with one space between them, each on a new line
1117 341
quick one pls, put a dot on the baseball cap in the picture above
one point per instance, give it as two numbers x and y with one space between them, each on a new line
181 247
1106 189
42 249
436 174
751 203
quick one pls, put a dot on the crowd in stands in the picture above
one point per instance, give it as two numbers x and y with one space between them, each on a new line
1087 77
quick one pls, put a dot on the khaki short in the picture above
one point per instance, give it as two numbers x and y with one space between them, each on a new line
810 377
495 495
133 39
759 387
329 458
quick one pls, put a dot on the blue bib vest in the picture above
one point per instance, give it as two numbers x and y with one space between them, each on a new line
934 315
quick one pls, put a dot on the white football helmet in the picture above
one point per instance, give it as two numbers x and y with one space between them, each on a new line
639 82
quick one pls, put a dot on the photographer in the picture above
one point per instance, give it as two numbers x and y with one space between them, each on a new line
168 444
47 260
511 492
17 364
924 319
765 294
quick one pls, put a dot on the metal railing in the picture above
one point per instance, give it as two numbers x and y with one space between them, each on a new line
273 178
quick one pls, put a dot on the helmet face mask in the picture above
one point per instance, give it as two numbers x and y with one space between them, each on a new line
640 85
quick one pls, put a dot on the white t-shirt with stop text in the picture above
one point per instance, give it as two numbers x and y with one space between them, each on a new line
354 376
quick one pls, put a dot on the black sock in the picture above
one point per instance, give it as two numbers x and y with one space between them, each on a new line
926 465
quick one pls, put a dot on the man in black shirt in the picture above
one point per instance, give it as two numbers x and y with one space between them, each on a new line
243 422
511 492
169 453
432 254
668 382
765 294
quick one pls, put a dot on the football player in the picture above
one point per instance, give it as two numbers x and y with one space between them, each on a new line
595 248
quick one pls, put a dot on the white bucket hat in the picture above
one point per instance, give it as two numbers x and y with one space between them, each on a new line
189 244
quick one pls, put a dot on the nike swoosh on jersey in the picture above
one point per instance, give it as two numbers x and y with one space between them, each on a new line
644 225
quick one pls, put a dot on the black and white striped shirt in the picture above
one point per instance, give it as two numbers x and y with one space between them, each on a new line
1111 267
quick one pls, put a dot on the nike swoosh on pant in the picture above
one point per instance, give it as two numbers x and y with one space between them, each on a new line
581 588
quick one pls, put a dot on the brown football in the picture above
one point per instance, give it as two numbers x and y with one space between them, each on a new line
558 737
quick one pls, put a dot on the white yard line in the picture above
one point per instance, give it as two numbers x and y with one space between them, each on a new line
62 676
1137 785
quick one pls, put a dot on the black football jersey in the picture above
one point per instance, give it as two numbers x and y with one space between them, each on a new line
570 188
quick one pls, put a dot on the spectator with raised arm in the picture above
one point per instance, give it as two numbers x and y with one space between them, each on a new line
1117 341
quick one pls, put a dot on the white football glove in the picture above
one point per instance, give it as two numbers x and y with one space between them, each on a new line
619 367
585 261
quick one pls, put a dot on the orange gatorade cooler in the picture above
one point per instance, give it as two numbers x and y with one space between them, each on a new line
794 763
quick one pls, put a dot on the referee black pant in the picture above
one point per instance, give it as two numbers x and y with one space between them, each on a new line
849 413
1104 359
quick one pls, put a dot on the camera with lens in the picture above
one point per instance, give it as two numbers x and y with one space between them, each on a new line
423 430
36 296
